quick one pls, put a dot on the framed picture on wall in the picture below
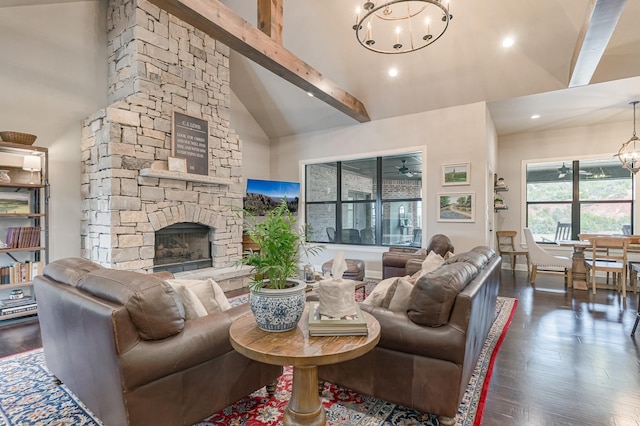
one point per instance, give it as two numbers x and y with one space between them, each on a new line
456 174
456 207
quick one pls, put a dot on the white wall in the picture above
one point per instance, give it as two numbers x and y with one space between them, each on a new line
452 135
574 143
53 75
254 142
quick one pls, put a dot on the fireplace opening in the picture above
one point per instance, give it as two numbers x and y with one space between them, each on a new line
182 247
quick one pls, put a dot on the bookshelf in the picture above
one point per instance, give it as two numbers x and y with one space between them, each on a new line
23 226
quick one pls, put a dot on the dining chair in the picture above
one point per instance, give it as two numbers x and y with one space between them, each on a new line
542 261
507 247
609 254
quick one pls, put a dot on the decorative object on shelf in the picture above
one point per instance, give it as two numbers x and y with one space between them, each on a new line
16 294
456 207
401 26
456 174
629 153
498 202
500 183
276 299
18 137
4 176
177 164
32 163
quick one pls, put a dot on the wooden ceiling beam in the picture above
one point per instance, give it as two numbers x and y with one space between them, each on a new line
601 21
270 18
221 23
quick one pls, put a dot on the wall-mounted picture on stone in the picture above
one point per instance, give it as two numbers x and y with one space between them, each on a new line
265 195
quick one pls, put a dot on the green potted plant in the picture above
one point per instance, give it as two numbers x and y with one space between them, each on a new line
277 297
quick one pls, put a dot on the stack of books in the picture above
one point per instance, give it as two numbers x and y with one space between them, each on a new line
14 306
321 325
23 237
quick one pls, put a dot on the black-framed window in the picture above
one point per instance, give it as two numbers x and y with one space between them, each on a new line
586 196
368 201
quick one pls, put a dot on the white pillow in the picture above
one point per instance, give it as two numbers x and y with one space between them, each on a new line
377 295
402 296
193 307
208 292
432 262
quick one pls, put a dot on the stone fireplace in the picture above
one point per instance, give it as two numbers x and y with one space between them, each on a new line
157 65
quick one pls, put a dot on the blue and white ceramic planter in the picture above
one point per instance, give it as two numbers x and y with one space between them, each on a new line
281 309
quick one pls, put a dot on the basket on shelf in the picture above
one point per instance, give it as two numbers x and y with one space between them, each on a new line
18 137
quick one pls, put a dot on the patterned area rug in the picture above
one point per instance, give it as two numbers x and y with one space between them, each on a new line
30 397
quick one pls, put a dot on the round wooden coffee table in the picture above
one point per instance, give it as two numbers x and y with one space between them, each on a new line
305 354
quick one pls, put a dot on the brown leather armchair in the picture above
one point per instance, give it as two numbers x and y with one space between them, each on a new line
395 262
119 341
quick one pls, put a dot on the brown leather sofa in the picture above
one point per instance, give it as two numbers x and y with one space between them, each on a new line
394 261
119 341
426 355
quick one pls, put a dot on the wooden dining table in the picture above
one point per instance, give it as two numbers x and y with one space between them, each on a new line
579 267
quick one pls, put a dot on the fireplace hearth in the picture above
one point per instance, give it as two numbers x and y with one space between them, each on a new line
182 247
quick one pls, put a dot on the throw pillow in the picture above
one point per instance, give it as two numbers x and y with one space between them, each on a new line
413 278
193 307
377 295
401 296
432 262
208 292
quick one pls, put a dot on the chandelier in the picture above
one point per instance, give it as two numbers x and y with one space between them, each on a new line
629 153
401 26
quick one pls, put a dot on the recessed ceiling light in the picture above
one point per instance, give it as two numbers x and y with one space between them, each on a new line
507 42
310 94
393 72
535 116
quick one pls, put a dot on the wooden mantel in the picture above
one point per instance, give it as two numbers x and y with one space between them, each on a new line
221 23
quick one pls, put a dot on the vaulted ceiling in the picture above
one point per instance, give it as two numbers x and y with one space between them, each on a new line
468 64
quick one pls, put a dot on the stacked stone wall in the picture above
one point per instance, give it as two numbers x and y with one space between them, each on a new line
157 65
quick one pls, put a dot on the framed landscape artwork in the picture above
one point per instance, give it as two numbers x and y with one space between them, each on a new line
456 207
456 174
14 202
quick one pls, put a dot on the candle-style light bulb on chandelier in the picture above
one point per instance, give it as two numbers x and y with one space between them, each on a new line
629 153
401 26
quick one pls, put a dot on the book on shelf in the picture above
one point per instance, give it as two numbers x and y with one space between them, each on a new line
321 325
23 236
19 272
18 309
14 306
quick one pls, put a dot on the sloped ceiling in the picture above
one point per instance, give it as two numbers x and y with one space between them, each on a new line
467 65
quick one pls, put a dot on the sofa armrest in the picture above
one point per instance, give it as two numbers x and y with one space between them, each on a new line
399 333
201 340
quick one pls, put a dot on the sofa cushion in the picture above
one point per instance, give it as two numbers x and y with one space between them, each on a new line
398 296
208 293
379 292
433 294
150 301
69 270
193 307
477 259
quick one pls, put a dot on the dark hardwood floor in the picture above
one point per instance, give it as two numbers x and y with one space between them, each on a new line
568 358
